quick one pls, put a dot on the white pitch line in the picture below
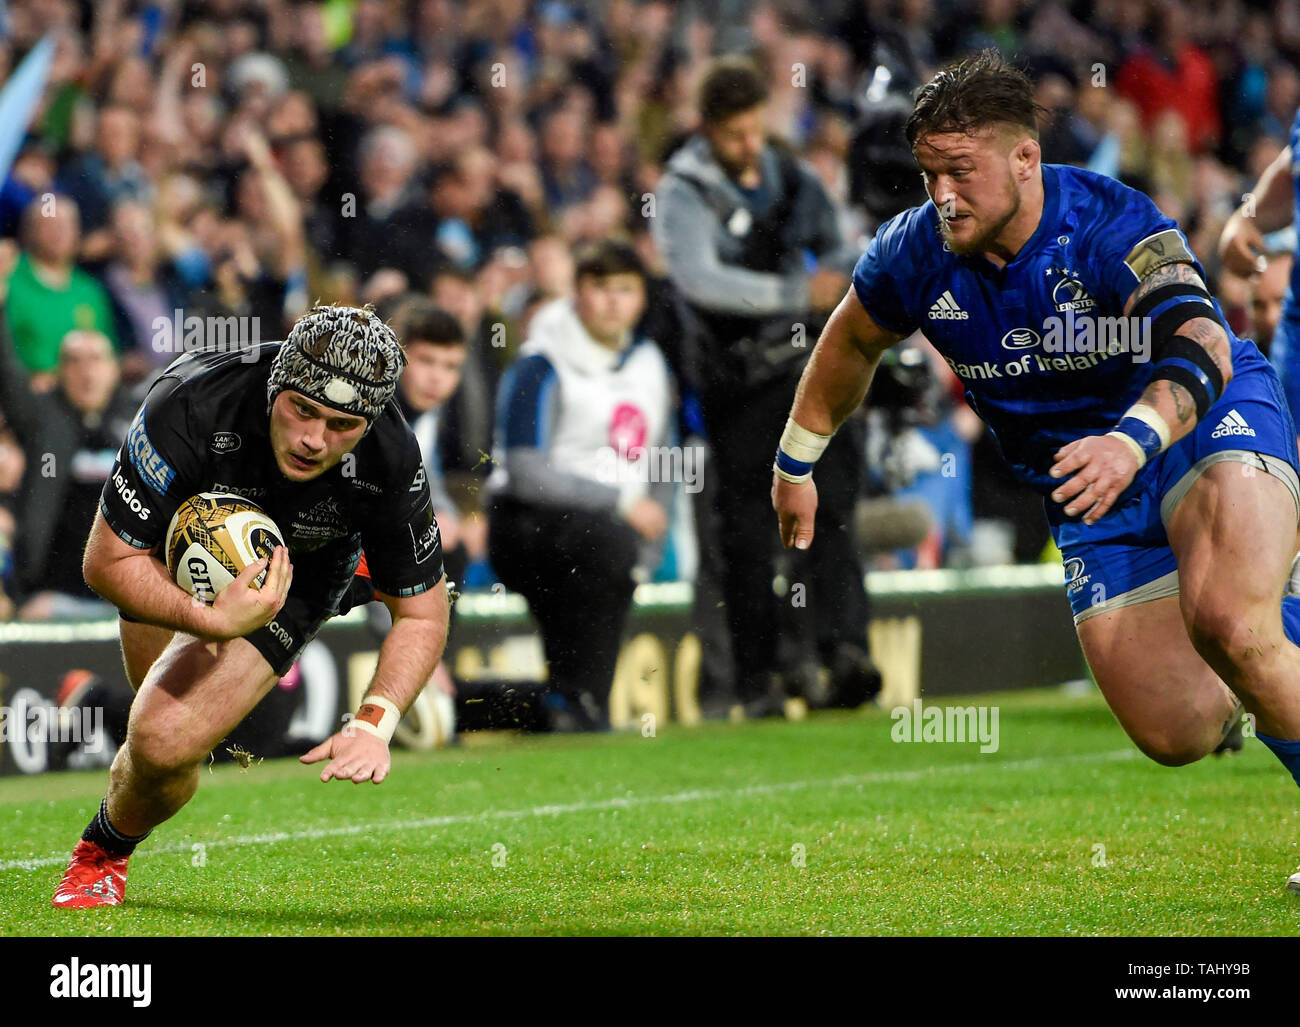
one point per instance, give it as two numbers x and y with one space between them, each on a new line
621 802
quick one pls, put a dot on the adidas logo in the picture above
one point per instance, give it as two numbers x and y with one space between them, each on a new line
1232 424
945 308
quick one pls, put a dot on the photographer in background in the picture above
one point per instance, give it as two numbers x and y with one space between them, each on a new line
750 238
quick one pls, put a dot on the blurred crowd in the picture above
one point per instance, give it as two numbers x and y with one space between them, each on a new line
248 158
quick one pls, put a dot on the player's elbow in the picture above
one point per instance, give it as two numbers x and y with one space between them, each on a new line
98 558
98 577
92 567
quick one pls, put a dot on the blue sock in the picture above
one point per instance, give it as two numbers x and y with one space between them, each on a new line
1291 618
1287 752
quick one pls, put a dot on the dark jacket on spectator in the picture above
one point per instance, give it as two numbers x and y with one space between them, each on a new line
403 238
50 431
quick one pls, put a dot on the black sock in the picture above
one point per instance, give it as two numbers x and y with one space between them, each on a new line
109 838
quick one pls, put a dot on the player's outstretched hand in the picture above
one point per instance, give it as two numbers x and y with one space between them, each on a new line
1241 247
796 509
353 755
1097 468
242 607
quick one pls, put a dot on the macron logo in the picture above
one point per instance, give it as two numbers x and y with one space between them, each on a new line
1232 424
945 308
99 980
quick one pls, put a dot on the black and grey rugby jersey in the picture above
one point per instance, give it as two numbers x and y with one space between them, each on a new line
204 427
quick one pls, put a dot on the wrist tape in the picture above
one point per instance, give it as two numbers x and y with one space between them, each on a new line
1144 430
798 451
377 715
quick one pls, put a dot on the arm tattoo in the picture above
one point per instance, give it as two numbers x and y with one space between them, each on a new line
1184 405
1169 274
1207 334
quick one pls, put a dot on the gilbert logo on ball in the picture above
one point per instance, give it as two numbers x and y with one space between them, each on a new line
213 537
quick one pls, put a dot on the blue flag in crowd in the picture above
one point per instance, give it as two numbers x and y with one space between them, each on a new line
19 97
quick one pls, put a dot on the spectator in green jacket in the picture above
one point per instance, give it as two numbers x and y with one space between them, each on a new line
49 295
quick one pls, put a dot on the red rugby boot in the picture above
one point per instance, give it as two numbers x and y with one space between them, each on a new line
93 878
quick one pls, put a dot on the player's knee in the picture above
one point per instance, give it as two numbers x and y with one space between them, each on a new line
159 750
1172 750
1225 635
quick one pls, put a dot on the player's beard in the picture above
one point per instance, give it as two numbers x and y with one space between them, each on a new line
985 239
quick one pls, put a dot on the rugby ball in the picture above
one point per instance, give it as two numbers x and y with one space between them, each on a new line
213 537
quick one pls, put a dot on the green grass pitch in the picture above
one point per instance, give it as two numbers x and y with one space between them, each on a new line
825 826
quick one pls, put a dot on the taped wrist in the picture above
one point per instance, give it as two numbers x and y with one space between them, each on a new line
798 451
1177 358
378 716
1138 454
1144 431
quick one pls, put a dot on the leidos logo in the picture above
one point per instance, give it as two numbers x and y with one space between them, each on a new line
1020 338
102 980
128 497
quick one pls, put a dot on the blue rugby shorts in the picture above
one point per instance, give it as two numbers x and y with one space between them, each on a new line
1124 558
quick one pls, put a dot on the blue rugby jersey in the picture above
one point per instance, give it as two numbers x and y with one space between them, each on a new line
1040 345
1285 351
